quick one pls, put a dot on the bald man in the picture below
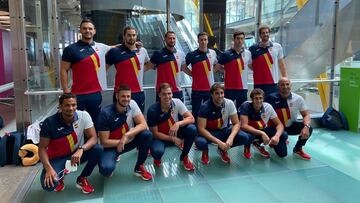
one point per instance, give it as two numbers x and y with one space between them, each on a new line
288 105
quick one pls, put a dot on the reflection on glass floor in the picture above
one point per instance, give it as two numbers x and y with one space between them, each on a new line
333 175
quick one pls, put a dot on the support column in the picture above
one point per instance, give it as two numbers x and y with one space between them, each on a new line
258 20
333 51
20 64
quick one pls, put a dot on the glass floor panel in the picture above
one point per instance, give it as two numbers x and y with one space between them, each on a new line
332 175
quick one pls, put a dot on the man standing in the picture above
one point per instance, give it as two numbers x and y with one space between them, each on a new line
213 127
168 63
122 127
129 63
267 62
254 117
168 128
62 138
84 61
202 63
287 105
235 61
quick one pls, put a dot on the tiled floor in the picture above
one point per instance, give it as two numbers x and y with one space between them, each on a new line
333 175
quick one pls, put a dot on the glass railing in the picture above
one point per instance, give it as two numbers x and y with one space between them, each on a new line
188 34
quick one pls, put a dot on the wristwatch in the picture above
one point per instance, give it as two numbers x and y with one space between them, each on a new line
307 125
82 147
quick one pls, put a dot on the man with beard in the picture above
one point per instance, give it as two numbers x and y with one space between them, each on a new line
287 105
267 62
62 138
122 127
213 126
171 124
129 62
85 59
255 117
168 63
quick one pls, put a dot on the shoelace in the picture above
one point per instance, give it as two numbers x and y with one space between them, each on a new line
142 169
60 175
85 181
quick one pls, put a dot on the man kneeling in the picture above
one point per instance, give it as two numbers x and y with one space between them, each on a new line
168 128
213 126
62 138
122 127
254 118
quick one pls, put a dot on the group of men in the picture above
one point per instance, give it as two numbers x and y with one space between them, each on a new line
220 114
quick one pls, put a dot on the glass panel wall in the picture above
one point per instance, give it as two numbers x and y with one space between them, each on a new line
238 10
41 71
300 30
44 44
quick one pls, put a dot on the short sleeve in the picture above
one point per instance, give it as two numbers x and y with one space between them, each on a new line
244 109
231 107
302 105
88 121
272 112
45 129
135 108
248 57
103 122
67 56
222 58
151 117
147 58
182 58
214 56
154 58
107 47
203 111
181 107
187 59
280 52
109 57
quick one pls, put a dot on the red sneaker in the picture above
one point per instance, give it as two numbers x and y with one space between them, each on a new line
61 185
181 146
262 150
187 164
302 154
111 174
247 153
83 184
143 173
205 157
157 162
224 156
118 158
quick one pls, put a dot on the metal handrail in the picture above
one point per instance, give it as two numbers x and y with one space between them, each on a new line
59 91
6 87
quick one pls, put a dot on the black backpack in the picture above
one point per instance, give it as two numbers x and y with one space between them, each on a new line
334 120
10 144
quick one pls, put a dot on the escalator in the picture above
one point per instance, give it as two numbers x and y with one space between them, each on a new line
307 37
